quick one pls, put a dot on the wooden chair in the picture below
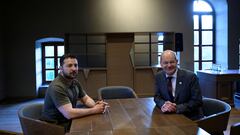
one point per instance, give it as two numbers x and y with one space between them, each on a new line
216 114
116 92
31 125
235 129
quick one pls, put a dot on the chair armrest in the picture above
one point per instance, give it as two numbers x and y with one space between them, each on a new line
37 126
208 123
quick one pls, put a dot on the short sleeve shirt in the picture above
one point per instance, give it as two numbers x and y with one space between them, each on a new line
61 92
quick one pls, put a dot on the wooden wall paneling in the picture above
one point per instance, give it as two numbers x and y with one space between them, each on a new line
122 67
96 80
81 78
119 66
144 83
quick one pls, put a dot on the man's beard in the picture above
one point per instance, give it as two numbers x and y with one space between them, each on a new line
73 76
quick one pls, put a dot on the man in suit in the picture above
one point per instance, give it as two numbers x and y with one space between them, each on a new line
177 90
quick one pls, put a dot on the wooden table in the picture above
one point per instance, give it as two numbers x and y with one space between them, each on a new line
220 85
134 117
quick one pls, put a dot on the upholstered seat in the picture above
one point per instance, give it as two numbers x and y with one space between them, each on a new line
31 125
116 92
216 114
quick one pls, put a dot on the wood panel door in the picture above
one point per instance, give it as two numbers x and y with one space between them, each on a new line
119 66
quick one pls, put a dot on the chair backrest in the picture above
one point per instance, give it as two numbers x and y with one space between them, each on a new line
216 114
31 125
116 92
235 129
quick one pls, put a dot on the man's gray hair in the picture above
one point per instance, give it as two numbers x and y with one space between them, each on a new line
168 51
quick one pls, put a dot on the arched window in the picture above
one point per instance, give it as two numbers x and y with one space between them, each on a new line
204 35
47 56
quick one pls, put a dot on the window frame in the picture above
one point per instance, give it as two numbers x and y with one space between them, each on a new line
55 56
200 30
150 43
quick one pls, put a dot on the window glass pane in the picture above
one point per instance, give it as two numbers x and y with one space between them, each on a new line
196 38
159 60
196 66
58 65
206 65
195 22
196 53
50 75
207 53
207 22
49 50
60 50
160 48
160 36
207 38
200 5
49 63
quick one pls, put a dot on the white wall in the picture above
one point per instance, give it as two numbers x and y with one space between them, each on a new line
138 16
221 10
27 22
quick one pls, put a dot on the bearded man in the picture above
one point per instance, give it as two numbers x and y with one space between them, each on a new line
60 103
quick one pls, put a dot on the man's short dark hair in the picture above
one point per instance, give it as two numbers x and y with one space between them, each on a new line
66 56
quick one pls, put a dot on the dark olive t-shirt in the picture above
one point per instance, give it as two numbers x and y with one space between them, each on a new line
60 92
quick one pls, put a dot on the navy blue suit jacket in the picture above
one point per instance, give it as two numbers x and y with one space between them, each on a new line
187 94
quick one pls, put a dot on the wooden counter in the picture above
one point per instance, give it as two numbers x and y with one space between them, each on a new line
220 85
